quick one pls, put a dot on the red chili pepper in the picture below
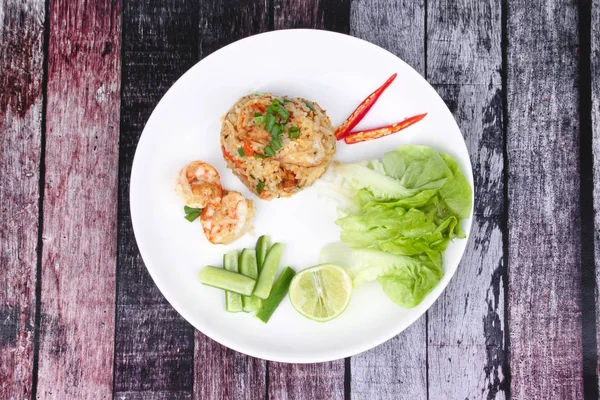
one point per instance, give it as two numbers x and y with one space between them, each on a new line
362 136
363 108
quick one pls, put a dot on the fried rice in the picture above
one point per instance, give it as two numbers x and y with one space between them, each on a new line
277 164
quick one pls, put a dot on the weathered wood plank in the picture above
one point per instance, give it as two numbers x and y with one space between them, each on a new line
333 15
221 373
323 380
80 200
154 345
466 325
397 368
595 86
21 59
543 211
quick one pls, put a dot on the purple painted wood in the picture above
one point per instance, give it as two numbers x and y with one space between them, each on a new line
21 58
543 210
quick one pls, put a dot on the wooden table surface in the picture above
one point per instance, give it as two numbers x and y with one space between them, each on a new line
80 318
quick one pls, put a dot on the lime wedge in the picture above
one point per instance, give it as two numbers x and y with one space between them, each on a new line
322 292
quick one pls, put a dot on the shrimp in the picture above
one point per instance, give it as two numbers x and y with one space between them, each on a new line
199 184
229 220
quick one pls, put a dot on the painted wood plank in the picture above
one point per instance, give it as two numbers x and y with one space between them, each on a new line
154 345
595 86
543 212
323 380
21 71
397 368
221 373
80 200
466 345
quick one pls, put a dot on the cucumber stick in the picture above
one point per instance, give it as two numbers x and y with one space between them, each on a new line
277 294
249 267
269 271
233 301
262 247
227 280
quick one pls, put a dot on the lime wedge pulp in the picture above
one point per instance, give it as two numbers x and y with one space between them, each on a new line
322 292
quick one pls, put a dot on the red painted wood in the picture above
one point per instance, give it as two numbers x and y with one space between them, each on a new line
21 58
80 200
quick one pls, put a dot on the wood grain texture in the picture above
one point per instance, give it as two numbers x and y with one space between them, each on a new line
397 368
80 200
595 83
543 211
21 59
221 373
466 346
154 345
332 15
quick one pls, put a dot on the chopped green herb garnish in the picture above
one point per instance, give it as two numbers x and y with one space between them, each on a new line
270 109
257 155
286 100
276 102
191 213
257 114
283 113
277 129
259 120
269 151
260 185
252 176
275 144
241 152
189 210
257 93
309 105
270 122
294 132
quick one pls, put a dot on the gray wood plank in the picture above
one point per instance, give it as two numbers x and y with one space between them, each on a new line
21 71
397 368
595 82
466 346
154 345
80 201
221 373
543 211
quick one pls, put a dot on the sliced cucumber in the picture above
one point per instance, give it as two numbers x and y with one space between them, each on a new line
269 271
249 268
233 301
227 280
277 294
262 248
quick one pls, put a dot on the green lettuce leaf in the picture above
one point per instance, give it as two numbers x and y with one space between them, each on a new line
399 215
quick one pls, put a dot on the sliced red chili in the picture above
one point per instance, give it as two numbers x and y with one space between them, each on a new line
362 136
363 108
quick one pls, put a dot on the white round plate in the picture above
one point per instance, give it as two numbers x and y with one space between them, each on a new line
336 71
